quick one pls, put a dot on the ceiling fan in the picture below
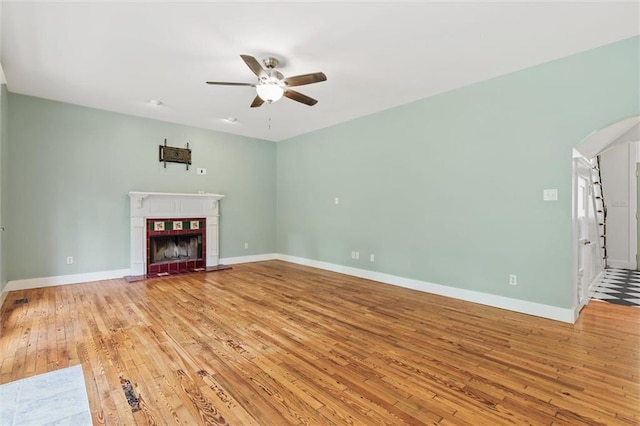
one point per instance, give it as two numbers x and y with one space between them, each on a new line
272 85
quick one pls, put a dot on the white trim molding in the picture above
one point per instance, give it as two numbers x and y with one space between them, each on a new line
64 280
594 284
248 259
592 290
531 308
3 296
3 79
634 153
621 264
516 305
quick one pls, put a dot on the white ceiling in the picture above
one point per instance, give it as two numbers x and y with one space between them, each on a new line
376 55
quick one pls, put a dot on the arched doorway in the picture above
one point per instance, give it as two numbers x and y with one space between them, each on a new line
616 146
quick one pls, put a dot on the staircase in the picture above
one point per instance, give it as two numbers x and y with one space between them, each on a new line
600 210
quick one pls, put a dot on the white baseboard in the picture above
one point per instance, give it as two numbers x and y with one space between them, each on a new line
591 290
621 264
248 259
594 284
108 275
3 296
522 306
64 279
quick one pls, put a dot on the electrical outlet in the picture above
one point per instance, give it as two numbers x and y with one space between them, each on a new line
246 245
357 255
69 260
336 201
513 279
353 254
372 258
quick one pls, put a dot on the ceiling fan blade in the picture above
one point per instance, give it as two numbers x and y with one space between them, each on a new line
301 80
257 102
254 65
222 83
297 96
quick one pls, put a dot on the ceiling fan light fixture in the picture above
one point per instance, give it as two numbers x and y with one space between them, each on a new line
269 92
272 85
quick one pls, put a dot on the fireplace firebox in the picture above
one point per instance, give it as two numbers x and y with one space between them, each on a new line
175 249
176 245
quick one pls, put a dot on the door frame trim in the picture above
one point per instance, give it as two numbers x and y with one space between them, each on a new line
579 160
634 152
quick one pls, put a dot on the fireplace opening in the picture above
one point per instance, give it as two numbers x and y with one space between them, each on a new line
176 245
175 248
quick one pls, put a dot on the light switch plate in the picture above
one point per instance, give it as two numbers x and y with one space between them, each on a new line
201 171
550 195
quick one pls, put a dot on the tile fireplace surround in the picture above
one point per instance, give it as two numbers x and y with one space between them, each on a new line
176 245
162 205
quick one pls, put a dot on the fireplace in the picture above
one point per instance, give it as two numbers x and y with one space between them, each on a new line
176 245
180 229
181 248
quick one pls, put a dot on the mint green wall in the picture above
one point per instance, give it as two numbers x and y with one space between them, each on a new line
449 189
71 169
4 147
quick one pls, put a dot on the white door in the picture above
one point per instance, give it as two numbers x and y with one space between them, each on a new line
588 239
583 240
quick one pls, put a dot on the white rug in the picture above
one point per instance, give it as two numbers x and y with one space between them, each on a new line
55 398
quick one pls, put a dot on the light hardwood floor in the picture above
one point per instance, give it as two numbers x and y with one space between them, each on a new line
274 343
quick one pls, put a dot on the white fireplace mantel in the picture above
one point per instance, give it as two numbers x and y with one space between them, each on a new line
159 205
